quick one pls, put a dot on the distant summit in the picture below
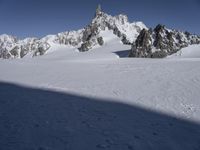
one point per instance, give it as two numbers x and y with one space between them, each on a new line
145 42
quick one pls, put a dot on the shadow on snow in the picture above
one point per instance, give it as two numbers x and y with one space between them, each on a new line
36 119
123 53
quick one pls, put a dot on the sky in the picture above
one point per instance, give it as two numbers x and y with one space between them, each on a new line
37 18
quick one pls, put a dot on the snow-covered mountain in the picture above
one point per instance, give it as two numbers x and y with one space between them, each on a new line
120 26
83 39
161 42
145 42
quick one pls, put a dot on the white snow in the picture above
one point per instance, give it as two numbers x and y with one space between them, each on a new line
121 103
192 51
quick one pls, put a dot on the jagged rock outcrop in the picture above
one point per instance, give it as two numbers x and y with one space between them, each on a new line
11 47
6 43
118 24
73 38
100 41
160 42
90 36
142 45
5 54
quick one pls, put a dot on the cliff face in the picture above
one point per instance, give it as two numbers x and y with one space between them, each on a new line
160 42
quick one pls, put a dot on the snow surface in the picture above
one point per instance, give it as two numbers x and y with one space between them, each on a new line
192 51
100 100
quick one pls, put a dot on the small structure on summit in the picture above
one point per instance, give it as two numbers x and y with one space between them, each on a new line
98 11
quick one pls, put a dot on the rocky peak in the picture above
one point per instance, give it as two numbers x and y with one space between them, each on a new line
161 42
159 28
83 39
143 38
118 24
142 45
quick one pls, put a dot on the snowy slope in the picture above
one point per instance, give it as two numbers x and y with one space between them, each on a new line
193 51
96 100
112 45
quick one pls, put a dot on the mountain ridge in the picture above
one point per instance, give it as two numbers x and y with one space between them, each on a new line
83 39
161 42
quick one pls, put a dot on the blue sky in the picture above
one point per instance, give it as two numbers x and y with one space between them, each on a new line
38 18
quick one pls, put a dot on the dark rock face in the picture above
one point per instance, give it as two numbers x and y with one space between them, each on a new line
125 41
88 44
89 32
158 54
24 51
160 42
5 54
15 51
89 39
85 46
142 46
100 41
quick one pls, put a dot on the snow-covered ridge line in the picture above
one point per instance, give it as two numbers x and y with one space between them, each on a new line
83 39
151 43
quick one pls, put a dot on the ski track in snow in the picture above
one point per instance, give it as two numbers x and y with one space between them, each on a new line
94 100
